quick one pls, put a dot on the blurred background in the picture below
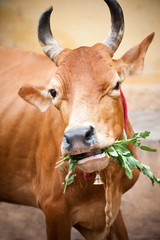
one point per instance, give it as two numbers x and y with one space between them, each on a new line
75 23
86 22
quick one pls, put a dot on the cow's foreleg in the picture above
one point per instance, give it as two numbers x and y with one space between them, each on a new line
118 230
58 225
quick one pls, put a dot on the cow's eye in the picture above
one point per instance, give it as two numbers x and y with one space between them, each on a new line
53 92
117 86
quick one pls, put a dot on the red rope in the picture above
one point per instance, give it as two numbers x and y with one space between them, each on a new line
88 175
124 103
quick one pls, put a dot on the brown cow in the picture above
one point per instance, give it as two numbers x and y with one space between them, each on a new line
83 111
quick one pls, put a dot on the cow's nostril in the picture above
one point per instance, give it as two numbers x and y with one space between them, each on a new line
66 137
89 133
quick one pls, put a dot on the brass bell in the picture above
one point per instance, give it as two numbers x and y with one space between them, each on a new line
98 179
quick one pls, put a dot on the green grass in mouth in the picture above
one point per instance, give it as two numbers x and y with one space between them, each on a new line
118 152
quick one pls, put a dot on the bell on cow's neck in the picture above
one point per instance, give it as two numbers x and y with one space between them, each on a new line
98 179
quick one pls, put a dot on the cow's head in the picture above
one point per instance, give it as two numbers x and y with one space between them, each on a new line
86 89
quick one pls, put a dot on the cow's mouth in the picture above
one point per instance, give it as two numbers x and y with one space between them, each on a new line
90 156
92 161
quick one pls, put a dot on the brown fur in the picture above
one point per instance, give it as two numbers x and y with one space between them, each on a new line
30 140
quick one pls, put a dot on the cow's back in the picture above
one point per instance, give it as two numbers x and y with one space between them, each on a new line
20 123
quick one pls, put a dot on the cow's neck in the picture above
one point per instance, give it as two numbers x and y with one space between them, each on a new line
112 176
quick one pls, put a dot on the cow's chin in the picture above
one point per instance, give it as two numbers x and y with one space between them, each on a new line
93 163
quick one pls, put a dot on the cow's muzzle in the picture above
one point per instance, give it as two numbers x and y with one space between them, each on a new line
78 140
82 143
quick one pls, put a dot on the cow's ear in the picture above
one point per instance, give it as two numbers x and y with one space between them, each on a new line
37 96
132 62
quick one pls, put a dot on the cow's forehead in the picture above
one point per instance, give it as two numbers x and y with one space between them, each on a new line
87 66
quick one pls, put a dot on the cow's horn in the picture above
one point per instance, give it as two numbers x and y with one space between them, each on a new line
47 41
115 34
